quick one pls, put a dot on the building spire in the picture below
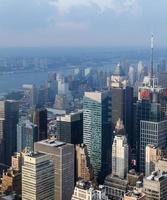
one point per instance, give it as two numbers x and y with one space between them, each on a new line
152 60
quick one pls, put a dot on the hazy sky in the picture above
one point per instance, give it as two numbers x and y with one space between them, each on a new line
82 22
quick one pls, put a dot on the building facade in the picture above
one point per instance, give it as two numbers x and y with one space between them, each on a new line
70 128
37 177
97 131
62 155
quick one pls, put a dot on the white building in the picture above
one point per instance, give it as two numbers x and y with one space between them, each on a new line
120 156
85 191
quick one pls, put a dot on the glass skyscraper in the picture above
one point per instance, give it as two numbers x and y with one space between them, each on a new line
97 131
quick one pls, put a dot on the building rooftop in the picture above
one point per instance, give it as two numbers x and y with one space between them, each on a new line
82 184
134 193
157 176
35 154
51 143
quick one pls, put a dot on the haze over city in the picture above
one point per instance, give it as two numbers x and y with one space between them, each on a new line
69 23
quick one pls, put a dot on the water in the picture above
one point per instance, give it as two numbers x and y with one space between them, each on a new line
12 82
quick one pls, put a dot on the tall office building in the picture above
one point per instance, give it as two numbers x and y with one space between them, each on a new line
70 128
122 101
83 167
30 94
150 115
151 133
97 131
62 155
120 155
9 114
27 135
37 177
40 119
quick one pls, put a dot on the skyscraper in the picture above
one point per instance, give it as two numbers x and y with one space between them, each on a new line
122 101
120 153
9 113
70 128
150 115
97 131
27 135
151 133
30 94
37 177
40 119
62 155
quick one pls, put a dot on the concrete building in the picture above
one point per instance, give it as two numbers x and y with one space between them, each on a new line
115 187
83 167
97 131
62 155
37 177
84 190
155 186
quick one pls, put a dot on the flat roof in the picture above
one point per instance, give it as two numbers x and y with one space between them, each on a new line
51 143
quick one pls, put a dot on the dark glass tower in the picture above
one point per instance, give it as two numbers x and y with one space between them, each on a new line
151 124
40 119
98 132
70 128
9 114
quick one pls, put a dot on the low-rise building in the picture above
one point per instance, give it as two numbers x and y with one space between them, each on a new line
155 186
84 190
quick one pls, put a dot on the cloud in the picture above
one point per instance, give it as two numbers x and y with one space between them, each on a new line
118 6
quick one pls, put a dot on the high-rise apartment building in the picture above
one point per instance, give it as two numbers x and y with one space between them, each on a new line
9 114
37 177
97 131
70 128
27 135
62 155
